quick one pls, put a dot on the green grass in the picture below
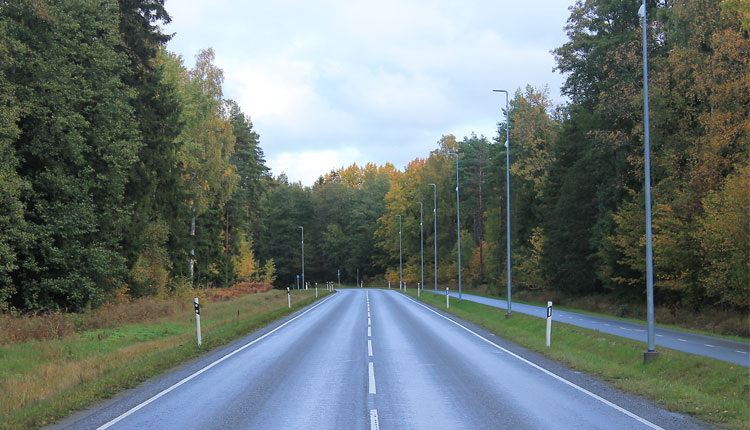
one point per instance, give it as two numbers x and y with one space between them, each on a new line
708 389
42 381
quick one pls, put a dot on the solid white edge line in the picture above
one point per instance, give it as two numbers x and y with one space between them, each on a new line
184 380
374 424
369 347
559 378
371 374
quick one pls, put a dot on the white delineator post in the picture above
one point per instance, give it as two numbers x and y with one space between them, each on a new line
389 285
417 289
549 322
197 320
316 290
447 299
288 298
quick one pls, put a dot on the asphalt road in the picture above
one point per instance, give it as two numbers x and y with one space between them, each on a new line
368 359
708 346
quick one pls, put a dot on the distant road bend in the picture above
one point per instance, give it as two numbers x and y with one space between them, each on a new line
731 351
370 359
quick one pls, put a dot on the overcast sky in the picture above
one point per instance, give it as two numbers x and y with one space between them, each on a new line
328 83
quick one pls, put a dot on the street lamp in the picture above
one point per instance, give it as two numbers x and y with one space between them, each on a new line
507 189
651 353
400 261
434 216
458 224
303 254
421 241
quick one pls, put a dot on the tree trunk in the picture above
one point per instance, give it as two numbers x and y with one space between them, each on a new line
192 251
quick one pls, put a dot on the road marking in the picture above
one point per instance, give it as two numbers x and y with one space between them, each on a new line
542 369
681 340
369 331
371 372
369 322
369 347
184 380
658 335
368 314
710 346
374 425
741 352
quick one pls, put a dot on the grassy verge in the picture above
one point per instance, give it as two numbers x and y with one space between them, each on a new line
43 381
708 389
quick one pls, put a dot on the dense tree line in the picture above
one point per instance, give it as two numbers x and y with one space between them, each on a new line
123 171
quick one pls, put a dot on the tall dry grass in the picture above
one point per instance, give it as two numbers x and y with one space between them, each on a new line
57 325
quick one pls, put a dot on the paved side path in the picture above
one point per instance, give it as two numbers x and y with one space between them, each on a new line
714 347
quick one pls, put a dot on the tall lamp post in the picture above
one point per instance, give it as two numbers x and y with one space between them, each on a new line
458 225
400 261
651 353
421 241
507 189
303 254
434 217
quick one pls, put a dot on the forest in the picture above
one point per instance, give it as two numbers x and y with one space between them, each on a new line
123 173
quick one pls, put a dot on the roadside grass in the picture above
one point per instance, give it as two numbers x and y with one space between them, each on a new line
42 381
708 389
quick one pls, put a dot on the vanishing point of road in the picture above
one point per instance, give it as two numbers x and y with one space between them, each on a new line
370 359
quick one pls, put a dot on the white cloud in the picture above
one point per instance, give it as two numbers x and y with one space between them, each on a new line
307 166
332 82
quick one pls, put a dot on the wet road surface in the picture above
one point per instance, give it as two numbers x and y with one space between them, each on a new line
369 359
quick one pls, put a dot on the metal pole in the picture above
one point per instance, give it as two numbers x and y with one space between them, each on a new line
651 353
434 216
507 190
458 225
421 243
400 261
303 255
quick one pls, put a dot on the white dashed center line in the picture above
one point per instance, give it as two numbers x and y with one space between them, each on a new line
369 347
374 425
371 372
